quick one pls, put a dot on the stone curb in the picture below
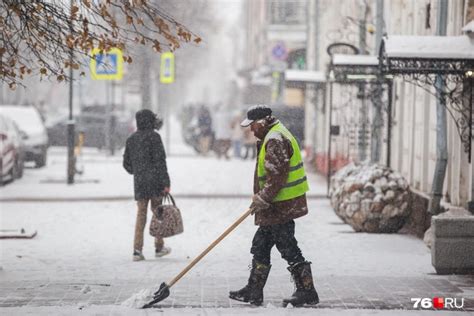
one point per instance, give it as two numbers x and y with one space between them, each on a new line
130 197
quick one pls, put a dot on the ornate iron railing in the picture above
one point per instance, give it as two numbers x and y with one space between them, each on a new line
454 90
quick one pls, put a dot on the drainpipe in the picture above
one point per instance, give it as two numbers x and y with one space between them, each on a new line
377 123
362 137
389 123
379 24
441 123
329 169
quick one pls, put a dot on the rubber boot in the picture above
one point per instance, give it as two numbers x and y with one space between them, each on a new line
253 292
305 292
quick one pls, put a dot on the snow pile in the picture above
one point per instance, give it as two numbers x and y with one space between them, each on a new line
138 300
371 198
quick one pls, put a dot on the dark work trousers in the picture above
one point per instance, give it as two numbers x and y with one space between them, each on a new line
280 235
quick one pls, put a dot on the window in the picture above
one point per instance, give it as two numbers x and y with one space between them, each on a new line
287 12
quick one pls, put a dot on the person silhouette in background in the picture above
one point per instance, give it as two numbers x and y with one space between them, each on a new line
145 159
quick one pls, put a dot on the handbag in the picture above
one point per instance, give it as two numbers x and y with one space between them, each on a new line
166 220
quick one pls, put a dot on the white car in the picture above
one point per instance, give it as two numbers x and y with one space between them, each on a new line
11 150
32 129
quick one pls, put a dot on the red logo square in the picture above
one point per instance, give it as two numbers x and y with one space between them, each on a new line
438 302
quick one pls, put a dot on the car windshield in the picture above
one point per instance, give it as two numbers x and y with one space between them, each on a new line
27 118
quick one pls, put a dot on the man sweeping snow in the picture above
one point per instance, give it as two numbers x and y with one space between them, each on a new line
280 188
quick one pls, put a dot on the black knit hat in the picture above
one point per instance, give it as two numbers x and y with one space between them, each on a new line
256 112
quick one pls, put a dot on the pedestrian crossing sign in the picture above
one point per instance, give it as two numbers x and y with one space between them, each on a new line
167 68
106 65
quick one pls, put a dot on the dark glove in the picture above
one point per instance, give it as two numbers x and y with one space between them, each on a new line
258 204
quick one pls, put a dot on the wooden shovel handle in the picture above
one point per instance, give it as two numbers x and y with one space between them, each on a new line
209 248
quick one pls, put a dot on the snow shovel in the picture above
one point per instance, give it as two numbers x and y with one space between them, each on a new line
164 290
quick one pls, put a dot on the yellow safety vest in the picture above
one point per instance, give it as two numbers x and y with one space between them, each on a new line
296 183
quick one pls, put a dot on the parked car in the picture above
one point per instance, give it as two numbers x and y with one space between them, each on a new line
93 125
32 130
11 150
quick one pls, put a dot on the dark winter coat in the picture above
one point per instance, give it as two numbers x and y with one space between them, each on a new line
277 165
145 158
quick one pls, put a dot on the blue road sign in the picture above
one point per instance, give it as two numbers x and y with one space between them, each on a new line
279 51
106 65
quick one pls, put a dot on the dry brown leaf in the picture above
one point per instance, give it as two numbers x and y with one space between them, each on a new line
70 41
156 46
74 10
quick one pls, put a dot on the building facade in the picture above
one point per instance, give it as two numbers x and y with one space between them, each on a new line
275 41
312 26
413 113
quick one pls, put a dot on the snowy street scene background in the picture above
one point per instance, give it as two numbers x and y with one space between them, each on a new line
81 259
81 254
369 102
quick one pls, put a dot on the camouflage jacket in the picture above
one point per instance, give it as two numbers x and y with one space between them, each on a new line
277 164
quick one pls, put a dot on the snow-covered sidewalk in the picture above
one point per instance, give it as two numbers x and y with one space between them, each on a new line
81 259
105 179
